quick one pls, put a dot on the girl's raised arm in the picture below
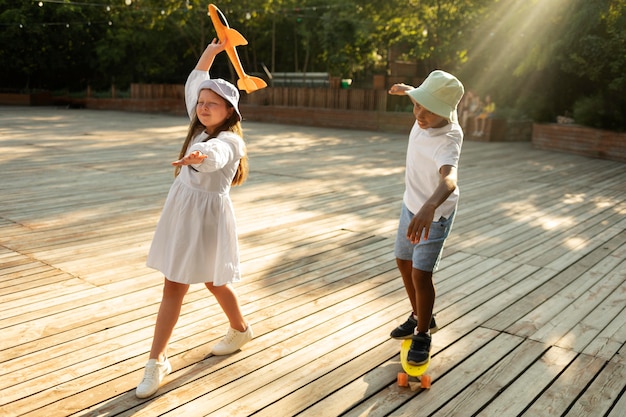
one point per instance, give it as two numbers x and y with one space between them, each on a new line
209 54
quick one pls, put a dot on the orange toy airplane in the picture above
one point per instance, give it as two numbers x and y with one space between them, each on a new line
232 38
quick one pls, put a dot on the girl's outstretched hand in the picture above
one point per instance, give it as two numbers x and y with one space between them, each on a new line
195 157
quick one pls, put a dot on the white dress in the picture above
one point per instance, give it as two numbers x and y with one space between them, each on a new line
196 238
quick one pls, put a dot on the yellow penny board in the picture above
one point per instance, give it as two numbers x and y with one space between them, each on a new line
412 370
417 371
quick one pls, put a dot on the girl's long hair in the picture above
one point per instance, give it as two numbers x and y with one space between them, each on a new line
232 124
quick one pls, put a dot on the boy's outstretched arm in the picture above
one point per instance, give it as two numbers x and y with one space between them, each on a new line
400 89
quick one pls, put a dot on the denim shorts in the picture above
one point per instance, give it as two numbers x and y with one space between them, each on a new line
425 254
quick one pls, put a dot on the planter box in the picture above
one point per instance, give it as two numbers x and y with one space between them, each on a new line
495 131
501 130
35 99
396 122
580 140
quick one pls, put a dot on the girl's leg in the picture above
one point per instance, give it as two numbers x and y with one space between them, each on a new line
425 298
239 332
173 295
227 299
481 124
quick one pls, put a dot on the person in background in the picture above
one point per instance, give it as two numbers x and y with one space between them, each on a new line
489 108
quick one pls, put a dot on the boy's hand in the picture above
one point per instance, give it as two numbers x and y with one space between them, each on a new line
419 228
400 89
195 157
420 224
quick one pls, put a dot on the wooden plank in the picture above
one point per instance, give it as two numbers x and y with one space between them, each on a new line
610 340
586 328
324 268
537 258
274 311
298 377
485 307
550 287
44 296
571 304
394 400
33 279
602 394
619 407
471 382
524 246
302 399
533 255
524 389
513 241
557 399
276 349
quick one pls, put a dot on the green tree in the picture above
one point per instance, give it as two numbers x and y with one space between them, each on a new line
542 57
45 47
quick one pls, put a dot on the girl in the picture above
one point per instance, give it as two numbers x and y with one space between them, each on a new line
195 240
488 110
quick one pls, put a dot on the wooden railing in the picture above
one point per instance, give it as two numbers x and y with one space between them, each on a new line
146 91
328 98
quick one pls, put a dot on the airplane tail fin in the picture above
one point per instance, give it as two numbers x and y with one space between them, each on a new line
250 84
235 38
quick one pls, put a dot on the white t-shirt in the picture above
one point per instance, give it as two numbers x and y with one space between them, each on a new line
428 151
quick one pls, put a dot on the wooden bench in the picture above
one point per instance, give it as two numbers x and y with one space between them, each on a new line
300 79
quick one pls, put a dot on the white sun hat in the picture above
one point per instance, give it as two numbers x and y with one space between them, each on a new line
440 93
224 89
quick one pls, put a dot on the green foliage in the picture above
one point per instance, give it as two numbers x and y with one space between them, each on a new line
541 58
596 111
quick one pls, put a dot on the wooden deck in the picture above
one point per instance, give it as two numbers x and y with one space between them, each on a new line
531 290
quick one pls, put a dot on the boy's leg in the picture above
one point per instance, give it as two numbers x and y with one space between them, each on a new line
406 271
425 294
425 298
405 252
407 329
426 255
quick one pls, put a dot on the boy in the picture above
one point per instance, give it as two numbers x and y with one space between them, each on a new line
429 201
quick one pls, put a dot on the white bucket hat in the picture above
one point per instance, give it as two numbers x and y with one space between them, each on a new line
440 93
224 89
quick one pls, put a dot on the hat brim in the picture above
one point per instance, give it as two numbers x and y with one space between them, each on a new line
221 89
433 104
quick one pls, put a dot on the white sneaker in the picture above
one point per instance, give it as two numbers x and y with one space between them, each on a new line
152 377
233 341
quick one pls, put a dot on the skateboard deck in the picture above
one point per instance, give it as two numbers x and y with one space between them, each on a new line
417 371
